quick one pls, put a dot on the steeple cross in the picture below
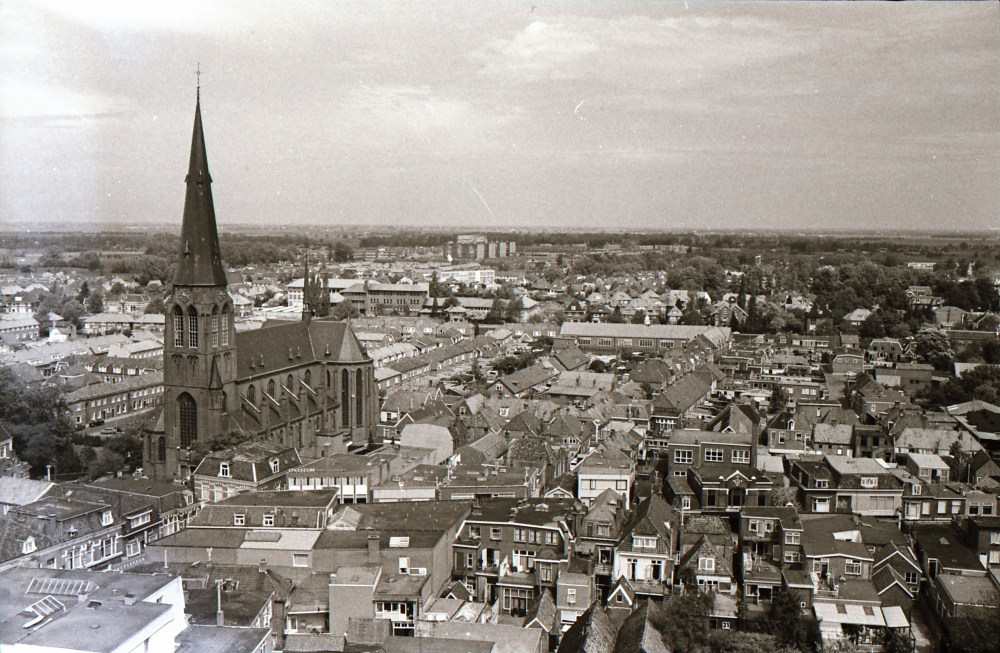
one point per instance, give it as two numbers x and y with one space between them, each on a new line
198 77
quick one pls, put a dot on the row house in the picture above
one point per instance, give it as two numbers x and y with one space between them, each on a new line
308 510
648 549
603 470
688 450
896 576
103 401
847 485
770 541
352 475
706 566
833 556
480 482
679 402
600 531
729 488
61 531
608 338
252 466
510 550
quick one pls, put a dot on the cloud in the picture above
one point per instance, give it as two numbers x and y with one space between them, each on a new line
20 99
538 51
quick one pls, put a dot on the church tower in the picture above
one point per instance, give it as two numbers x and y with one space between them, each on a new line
199 362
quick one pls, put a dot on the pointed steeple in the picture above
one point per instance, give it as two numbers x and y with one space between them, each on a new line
307 311
199 262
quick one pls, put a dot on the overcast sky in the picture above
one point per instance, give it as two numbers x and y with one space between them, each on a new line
650 115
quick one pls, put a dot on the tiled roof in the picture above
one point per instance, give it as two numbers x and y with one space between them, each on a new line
638 634
592 632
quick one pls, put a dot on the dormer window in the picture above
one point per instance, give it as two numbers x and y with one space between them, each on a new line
239 520
107 518
28 546
916 488
274 465
822 483
869 481
644 542
224 470
706 564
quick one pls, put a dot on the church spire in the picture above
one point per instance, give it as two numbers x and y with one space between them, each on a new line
199 261
307 310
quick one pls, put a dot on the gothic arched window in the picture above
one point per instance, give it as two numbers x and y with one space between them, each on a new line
270 387
178 327
307 378
252 395
360 397
187 413
161 449
215 326
192 327
345 398
224 327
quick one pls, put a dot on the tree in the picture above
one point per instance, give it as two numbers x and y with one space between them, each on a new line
616 316
872 327
933 346
495 314
683 620
513 310
898 642
639 317
220 442
778 398
344 310
787 624
117 288
84 292
342 252
155 306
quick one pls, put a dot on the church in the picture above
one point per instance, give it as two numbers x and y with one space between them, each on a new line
307 384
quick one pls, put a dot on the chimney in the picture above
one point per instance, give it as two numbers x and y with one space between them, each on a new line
262 566
374 549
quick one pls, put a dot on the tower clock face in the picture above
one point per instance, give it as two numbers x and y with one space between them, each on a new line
183 295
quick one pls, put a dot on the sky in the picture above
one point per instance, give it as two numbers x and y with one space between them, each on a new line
635 116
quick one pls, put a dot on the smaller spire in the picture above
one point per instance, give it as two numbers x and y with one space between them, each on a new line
307 311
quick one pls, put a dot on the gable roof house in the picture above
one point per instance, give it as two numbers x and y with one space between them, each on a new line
646 552
254 465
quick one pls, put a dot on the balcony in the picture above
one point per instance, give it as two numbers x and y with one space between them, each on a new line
603 569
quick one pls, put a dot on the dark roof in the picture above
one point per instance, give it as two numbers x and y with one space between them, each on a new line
199 261
946 544
316 341
638 634
543 613
592 632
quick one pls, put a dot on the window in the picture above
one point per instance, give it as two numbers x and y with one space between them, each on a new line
741 456
792 538
270 387
494 533
973 508
178 327
475 532
956 507
911 577
520 535
680 472
995 538
224 327
942 507
706 564
852 567
714 456
274 465
644 542
239 520
107 518
224 470
791 557
29 545
345 398
192 328
683 456
821 505
869 481
546 573
360 398
987 508
570 596
268 520
621 485
593 484
300 559
916 488
686 503
140 520
604 342
187 411
215 329
995 557
822 484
